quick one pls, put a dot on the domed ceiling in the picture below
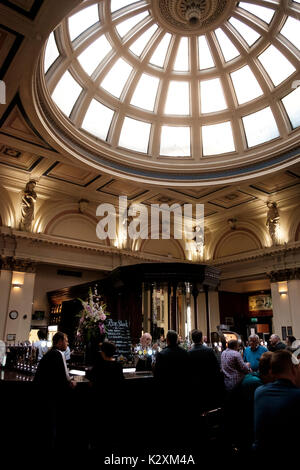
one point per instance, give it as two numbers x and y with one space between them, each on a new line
178 91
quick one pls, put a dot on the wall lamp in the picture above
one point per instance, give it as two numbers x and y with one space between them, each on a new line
283 288
17 286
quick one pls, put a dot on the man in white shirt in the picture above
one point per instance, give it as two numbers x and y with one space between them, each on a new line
42 345
54 383
52 373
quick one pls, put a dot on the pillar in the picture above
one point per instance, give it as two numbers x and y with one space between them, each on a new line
286 307
192 308
201 318
183 317
173 325
5 287
207 313
214 310
169 306
294 296
166 310
20 301
195 293
150 319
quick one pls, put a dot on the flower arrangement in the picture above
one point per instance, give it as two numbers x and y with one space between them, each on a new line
92 318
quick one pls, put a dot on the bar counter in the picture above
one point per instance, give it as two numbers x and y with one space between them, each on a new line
103 422
7 375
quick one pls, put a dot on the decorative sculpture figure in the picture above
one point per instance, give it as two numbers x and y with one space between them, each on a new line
83 205
273 222
232 223
198 240
27 206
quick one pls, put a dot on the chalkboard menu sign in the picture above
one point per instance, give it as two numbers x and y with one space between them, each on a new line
118 332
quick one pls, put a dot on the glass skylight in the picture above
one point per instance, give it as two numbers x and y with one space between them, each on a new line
135 135
217 139
178 98
212 96
116 78
134 83
66 93
93 55
139 45
145 92
265 14
51 52
245 84
97 119
276 64
175 141
260 127
249 34
83 20
205 58
182 58
125 26
118 4
159 55
291 31
228 49
291 103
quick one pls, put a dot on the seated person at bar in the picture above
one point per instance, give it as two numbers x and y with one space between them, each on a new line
55 397
41 345
52 373
253 352
107 372
107 381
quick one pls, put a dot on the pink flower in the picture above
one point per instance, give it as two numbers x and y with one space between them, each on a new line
102 317
101 328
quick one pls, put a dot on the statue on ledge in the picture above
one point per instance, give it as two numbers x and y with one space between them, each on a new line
273 222
27 206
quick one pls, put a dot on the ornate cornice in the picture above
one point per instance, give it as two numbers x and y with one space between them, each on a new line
284 275
267 252
9 263
7 244
40 239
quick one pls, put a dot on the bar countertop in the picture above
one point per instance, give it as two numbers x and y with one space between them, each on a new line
7 375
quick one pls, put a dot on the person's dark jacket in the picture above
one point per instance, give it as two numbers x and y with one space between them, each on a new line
106 375
51 373
206 376
276 419
277 346
172 365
